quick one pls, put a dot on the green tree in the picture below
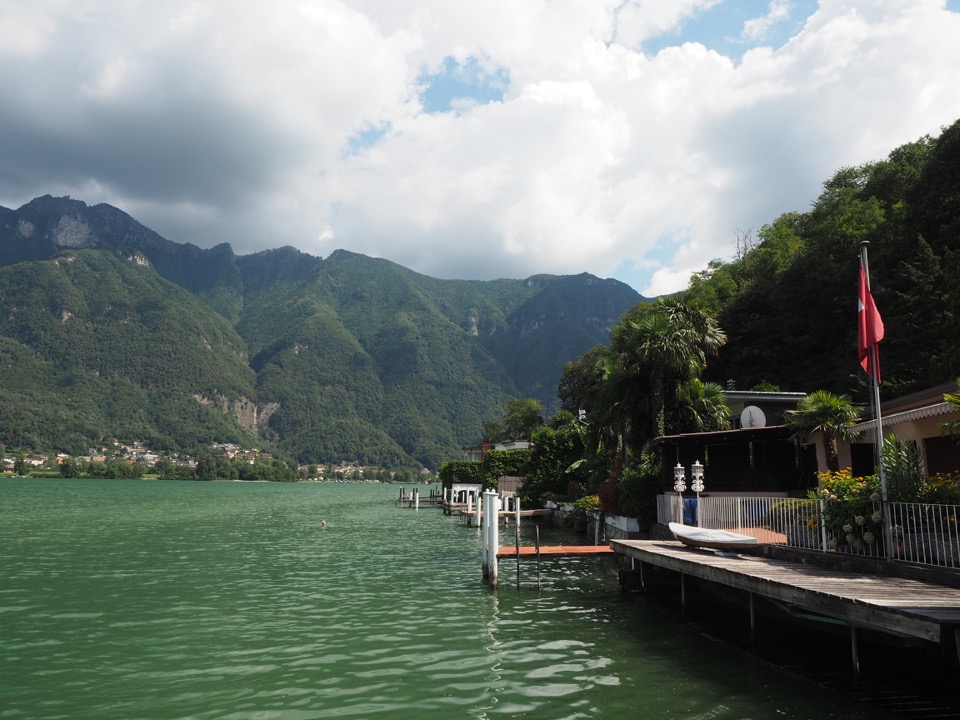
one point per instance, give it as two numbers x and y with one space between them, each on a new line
521 417
206 468
704 407
832 415
555 459
68 468
165 469
658 352
20 465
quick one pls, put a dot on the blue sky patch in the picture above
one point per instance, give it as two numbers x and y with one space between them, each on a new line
462 83
734 27
365 138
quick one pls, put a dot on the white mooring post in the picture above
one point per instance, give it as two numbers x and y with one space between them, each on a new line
416 498
484 548
491 535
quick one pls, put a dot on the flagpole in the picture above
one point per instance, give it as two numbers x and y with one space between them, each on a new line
878 420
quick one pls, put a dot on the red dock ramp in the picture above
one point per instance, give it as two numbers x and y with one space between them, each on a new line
508 551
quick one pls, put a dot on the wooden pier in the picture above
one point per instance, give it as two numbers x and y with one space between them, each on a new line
893 605
511 551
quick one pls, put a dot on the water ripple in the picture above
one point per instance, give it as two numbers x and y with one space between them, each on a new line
229 601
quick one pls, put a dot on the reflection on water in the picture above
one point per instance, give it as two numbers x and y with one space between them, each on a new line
138 599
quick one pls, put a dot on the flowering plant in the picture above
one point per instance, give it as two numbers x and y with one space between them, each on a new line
851 511
942 489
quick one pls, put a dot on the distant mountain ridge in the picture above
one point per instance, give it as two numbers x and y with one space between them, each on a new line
114 330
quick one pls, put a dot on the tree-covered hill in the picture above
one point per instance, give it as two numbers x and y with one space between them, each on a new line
788 302
98 345
343 358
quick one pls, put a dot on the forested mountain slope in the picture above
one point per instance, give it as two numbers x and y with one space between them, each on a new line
789 301
343 358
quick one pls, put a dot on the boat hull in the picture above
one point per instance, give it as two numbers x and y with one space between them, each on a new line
711 539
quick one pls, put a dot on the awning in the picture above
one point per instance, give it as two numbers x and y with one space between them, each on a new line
941 408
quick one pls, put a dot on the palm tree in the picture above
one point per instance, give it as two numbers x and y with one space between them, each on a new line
833 415
705 407
659 352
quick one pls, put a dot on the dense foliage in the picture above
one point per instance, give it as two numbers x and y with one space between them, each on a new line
788 299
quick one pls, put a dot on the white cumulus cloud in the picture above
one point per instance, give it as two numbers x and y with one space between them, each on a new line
238 122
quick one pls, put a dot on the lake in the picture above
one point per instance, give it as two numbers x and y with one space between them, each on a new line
148 599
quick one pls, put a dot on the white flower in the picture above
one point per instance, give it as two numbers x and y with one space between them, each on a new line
868 538
847 528
877 516
859 519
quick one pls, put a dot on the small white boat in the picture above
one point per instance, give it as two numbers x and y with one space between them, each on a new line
712 539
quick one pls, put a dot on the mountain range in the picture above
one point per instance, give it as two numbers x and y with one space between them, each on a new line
108 330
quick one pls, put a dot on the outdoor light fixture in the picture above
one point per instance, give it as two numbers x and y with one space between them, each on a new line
696 472
679 479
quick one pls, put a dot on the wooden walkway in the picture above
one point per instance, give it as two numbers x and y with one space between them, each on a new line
893 605
510 551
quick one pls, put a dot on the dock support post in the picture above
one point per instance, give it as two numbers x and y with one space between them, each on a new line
516 535
683 595
491 534
753 623
484 545
855 654
416 498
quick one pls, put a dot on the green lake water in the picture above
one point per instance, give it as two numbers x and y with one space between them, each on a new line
140 599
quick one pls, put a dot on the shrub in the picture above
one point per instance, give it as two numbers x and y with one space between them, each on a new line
942 488
851 512
903 463
588 504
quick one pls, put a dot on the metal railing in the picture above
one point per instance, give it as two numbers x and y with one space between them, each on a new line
926 534
919 533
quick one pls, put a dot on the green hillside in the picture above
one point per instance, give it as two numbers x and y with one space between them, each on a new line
343 358
789 302
95 345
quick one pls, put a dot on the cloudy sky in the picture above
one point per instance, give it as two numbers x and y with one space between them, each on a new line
466 139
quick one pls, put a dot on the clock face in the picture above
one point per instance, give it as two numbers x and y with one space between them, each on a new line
752 417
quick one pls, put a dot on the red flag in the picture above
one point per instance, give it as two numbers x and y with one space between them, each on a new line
869 327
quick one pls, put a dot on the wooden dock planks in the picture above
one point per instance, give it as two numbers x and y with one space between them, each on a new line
895 605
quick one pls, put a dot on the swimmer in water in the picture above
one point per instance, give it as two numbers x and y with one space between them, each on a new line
323 523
